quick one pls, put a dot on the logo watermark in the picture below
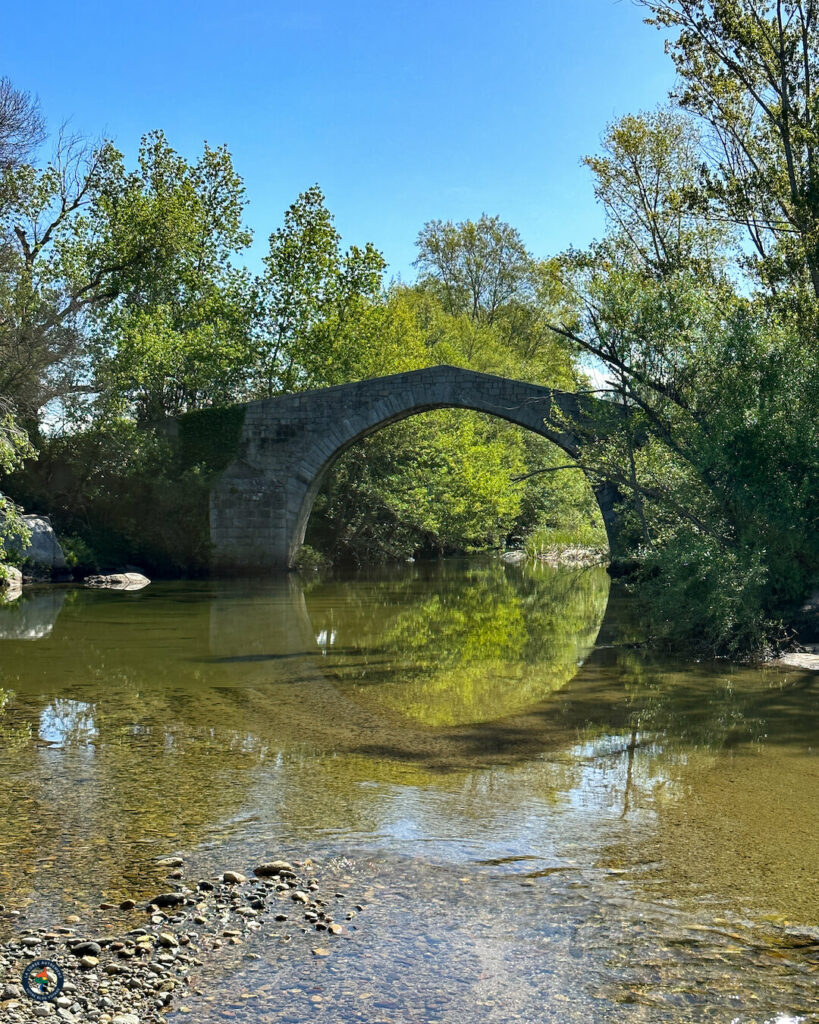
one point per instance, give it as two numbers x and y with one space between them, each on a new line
43 980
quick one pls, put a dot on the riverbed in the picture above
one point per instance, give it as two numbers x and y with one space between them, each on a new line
549 822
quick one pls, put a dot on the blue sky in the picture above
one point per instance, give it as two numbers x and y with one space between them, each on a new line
402 112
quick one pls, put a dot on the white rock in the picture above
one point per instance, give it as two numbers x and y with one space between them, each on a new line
43 549
118 581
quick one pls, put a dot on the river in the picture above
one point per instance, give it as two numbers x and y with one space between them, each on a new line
549 822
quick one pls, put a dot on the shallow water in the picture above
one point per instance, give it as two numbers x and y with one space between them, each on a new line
549 823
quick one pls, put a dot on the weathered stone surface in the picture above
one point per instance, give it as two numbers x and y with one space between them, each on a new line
118 581
513 557
43 549
260 506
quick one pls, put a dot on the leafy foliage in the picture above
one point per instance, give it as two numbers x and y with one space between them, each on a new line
123 303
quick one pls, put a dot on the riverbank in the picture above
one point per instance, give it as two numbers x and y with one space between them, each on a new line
140 974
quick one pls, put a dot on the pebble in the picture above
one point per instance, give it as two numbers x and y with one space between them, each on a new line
136 978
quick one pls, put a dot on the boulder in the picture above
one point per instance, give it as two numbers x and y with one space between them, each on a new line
118 581
43 550
807 659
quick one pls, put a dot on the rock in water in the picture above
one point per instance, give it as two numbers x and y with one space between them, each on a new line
118 581
168 899
234 877
86 948
275 867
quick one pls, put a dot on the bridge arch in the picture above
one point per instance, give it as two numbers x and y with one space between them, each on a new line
260 505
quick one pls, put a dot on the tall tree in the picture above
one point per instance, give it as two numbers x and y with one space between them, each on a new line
22 126
750 69
309 296
173 335
719 479
476 266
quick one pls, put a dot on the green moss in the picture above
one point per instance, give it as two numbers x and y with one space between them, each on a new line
209 438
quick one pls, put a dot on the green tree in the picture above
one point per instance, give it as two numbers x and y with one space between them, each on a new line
749 69
173 336
15 447
311 295
719 478
477 267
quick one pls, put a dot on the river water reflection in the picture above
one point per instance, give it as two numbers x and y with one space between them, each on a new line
551 823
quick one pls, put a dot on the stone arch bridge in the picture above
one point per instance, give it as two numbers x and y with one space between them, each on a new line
261 503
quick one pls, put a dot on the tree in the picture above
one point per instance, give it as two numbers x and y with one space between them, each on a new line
309 295
698 436
22 127
173 335
15 447
749 69
476 267
53 271
644 177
